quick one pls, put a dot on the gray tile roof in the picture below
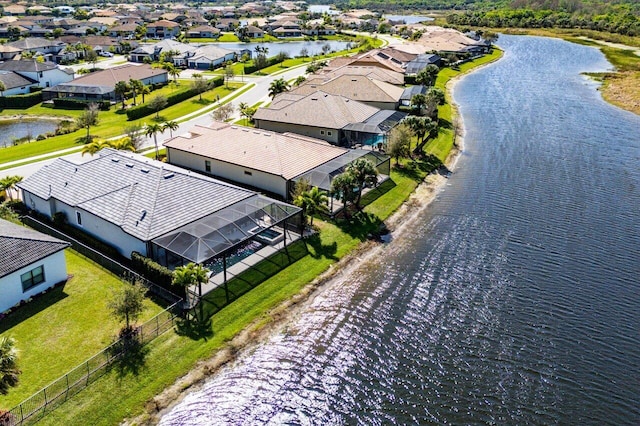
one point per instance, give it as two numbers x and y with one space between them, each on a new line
27 65
21 246
12 80
145 198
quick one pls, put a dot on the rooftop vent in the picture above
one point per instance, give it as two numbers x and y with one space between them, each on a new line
169 175
144 170
115 160
130 165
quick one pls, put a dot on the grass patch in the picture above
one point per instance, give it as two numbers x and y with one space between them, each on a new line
64 327
228 37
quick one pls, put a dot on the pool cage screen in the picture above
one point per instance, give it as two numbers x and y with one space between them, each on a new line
323 175
228 230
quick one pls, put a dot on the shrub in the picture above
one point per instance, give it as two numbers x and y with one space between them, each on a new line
154 272
21 101
68 103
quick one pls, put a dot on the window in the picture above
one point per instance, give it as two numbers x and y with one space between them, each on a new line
32 278
322 132
207 166
328 133
248 173
79 218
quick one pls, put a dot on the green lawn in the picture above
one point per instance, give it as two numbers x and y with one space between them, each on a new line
111 123
252 300
63 328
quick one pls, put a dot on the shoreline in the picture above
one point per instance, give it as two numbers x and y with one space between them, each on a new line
257 333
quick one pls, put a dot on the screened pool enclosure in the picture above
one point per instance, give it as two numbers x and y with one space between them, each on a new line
323 175
227 239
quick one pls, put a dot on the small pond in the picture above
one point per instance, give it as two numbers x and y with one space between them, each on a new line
20 128
408 19
291 48
323 8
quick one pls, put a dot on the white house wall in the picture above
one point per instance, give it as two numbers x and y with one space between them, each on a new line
257 179
91 224
55 271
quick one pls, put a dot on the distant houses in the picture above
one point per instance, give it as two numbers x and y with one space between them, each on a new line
100 85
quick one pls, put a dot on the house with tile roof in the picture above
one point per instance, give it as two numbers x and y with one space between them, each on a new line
360 88
333 118
31 262
46 74
170 214
101 85
163 29
15 84
267 161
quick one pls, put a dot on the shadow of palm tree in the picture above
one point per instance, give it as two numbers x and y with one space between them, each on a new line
319 250
362 226
195 328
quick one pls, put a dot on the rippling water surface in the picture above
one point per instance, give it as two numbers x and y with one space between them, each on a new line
515 298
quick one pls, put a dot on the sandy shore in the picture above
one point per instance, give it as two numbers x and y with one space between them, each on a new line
286 312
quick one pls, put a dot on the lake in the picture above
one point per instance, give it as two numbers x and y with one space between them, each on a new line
10 130
513 299
291 48
408 19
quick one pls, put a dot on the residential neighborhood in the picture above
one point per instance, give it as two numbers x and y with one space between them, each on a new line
198 162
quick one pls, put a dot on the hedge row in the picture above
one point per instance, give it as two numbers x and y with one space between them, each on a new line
172 99
155 273
68 103
21 101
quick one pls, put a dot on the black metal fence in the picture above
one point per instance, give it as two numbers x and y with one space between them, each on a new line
39 404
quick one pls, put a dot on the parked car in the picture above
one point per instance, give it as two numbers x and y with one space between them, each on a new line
106 54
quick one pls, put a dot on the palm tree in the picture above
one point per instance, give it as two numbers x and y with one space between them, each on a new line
199 84
171 126
278 86
121 89
427 76
364 173
343 188
172 70
8 183
122 144
144 91
94 146
9 372
152 130
191 274
136 87
312 202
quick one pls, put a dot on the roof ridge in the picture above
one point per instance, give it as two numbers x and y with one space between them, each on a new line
155 198
126 208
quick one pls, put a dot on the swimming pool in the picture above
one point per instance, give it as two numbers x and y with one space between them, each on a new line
216 265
